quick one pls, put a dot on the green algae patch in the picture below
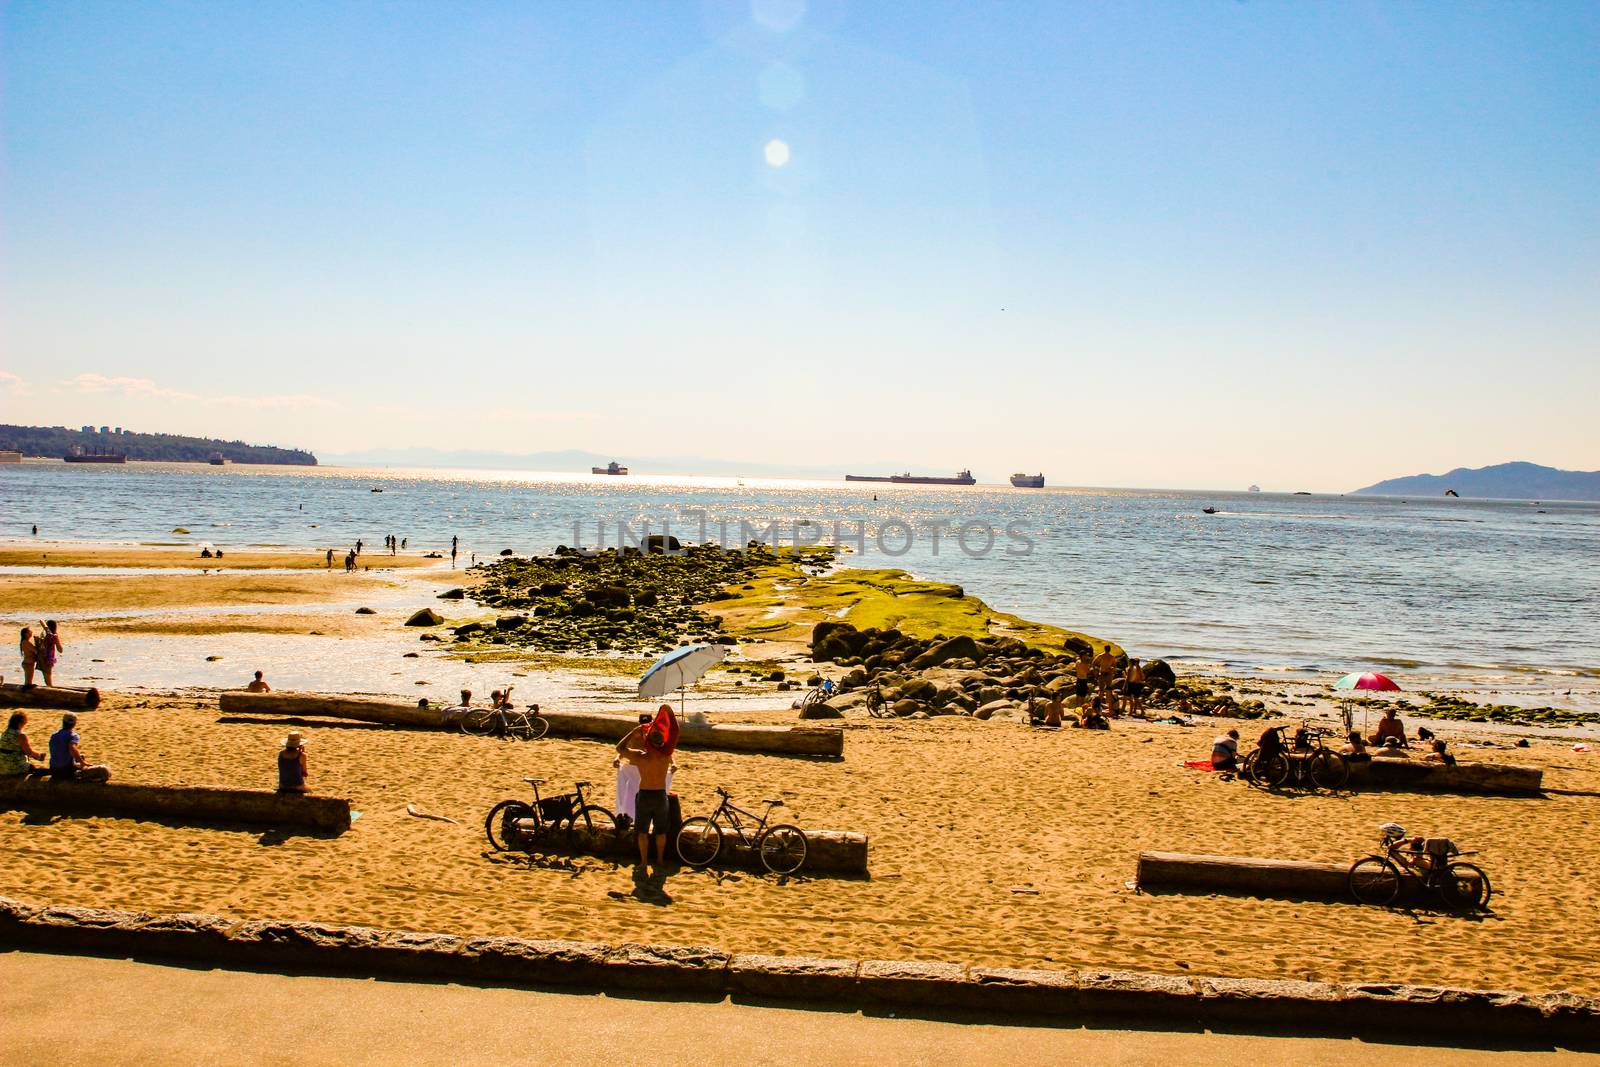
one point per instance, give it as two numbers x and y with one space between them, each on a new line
781 602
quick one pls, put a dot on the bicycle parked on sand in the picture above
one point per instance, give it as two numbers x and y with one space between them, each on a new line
568 819
504 722
1376 879
782 848
1307 761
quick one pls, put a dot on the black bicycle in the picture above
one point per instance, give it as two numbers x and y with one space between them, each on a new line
782 848
820 693
877 706
504 722
1306 760
569 819
1376 879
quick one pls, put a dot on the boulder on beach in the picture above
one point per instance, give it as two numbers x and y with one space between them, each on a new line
962 647
425 617
365 611
655 544
453 594
1158 674
820 710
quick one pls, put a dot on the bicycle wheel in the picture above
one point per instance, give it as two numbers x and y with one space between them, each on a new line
1374 880
878 707
501 825
526 727
1329 770
592 827
479 722
782 848
1465 886
1267 772
699 841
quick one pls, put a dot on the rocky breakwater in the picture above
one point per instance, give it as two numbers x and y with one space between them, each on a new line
627 600
982 677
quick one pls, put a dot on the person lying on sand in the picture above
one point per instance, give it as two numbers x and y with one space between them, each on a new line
1391 750
1225 752
66 761
258 684
1356 750
1439 755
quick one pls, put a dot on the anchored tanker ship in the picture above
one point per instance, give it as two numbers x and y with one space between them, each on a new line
1028 481
963 478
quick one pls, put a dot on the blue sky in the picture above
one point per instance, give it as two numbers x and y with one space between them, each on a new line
1206 244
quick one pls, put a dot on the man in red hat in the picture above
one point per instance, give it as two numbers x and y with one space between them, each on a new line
649 747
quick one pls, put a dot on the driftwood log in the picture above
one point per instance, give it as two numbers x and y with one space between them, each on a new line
1493 778
729 737
66 697
1253 876
732 737
827 851
200 803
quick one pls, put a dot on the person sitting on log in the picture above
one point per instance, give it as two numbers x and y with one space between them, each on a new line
1389 726
258 684
451 714
15 750
66 761
501 701
292 764
1356 750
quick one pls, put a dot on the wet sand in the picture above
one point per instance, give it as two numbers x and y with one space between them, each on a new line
144 1013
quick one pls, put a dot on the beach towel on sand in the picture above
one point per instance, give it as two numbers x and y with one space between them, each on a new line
1198 765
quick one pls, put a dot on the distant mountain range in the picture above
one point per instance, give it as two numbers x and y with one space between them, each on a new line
1504 481
56 441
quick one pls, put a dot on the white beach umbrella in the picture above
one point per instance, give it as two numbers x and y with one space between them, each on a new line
678 669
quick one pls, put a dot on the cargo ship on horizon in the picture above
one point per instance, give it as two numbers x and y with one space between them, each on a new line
1028 481
80 455
610 468
961 478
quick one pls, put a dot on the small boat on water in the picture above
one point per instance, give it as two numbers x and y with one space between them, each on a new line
218 460
610 468
1254 489
1028 481
1209 511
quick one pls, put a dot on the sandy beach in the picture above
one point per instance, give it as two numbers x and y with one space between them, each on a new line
991 842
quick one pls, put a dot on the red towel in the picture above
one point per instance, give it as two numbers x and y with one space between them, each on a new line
662 734
1198 765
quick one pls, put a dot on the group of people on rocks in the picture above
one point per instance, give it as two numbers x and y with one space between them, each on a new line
1100 689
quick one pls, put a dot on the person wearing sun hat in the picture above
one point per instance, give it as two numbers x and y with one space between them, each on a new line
292 764
650 748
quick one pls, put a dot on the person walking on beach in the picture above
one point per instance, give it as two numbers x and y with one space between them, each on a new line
30 653
403 541
452 553
66 761
47 646
650 749
292 764
330 559
358 546
349 561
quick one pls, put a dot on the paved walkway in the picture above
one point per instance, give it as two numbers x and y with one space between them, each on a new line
72 1009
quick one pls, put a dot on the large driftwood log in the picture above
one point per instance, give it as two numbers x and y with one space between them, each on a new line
201 803
1254 876
321 705
732 737
70 698
827 851
1495 778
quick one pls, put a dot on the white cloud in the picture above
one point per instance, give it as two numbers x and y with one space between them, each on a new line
15 386
146 389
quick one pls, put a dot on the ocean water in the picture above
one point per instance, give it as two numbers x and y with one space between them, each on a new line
1495 595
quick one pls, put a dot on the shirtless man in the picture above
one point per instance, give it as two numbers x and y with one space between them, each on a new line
1082 671
1134 681
650 804
258 684
1105 670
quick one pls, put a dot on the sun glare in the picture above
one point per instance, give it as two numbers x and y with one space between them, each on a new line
777 153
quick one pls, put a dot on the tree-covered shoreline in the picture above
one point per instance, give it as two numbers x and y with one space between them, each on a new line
56 441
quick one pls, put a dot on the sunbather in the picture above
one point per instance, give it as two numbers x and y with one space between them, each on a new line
1389 726
1356 750
1391 750
1225 752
